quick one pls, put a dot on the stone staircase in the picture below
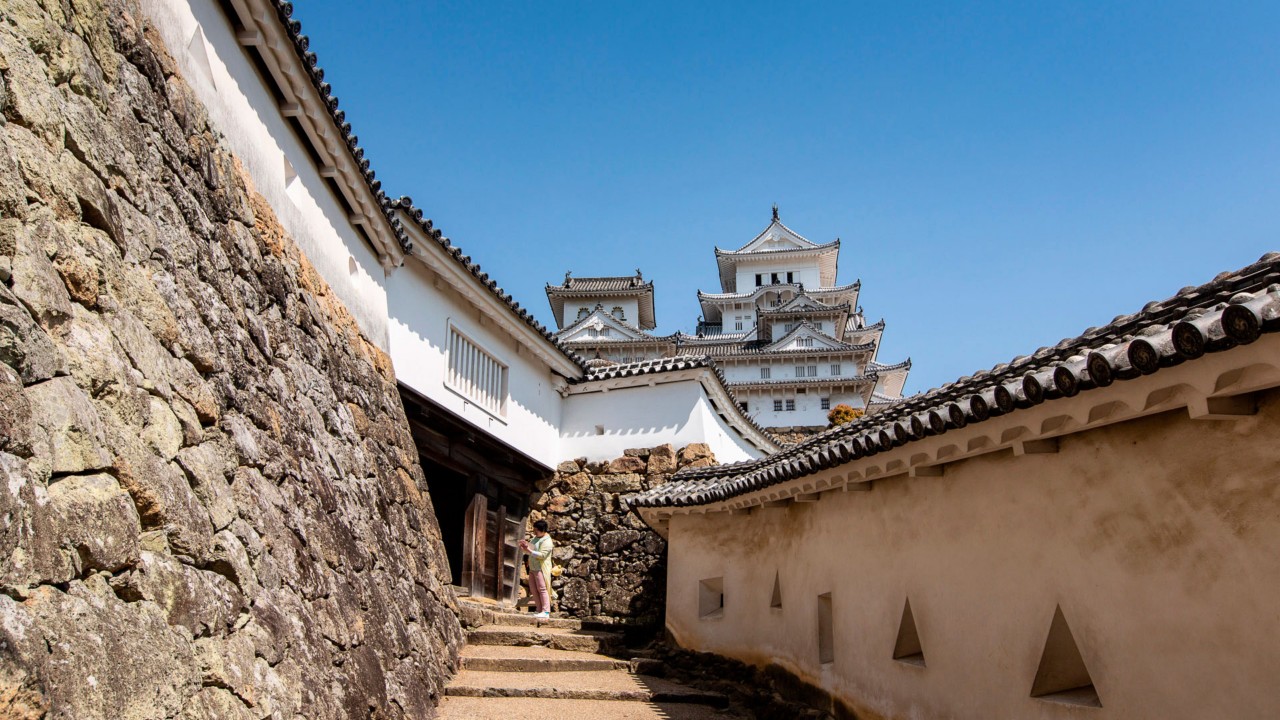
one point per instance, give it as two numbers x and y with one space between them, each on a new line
515 665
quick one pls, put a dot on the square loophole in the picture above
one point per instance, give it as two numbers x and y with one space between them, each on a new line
711 598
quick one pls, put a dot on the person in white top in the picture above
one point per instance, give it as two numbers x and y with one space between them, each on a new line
540 567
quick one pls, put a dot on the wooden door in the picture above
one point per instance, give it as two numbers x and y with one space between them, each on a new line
491 551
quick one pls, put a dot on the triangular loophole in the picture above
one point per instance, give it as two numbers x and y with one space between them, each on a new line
907 649
776 601
1062 676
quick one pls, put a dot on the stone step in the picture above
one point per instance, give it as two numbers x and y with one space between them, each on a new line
535 659
556 638
511 708
525 620
489 613
616 686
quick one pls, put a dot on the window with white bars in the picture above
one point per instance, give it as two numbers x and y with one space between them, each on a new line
475 374
806 371
835 369
764 373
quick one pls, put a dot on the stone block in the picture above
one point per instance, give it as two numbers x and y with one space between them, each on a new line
561 504
694 452
202 602
69 422
642 453
207 466
568 467
624 483
615 540
95 519
578 484
626 464
662 459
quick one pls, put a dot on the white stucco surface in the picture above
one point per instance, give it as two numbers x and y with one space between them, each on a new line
241 108
601 425
421 314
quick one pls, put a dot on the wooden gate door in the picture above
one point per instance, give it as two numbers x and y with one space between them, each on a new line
491 552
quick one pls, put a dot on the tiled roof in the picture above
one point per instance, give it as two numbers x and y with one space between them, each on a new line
813 248
760 351
818 309
633 285
877 327
645 337
805 382
855 285
601 284
455 252
301 44
1234 308
876 367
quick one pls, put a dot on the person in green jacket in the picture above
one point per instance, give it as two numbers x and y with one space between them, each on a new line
540 567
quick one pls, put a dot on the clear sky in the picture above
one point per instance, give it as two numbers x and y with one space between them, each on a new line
1002 175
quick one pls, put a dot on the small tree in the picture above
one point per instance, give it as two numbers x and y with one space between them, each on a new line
842 414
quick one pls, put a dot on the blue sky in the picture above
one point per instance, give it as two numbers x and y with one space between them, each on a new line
1002 175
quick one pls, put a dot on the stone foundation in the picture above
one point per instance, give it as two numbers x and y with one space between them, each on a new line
210 503
614 566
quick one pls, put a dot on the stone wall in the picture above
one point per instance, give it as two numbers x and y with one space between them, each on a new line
210 503
614 566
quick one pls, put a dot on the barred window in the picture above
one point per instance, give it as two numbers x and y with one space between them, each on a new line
826 403
835 369
764 373
777 406
475 374
791 405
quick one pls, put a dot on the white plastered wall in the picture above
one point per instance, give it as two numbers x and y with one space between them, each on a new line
630 309
601 425
241 108
422 311
802 271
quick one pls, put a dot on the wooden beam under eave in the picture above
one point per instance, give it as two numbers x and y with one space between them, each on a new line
806 497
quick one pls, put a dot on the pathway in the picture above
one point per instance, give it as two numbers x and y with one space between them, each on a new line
517 666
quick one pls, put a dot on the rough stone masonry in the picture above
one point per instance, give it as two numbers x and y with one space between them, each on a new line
614 568
210 503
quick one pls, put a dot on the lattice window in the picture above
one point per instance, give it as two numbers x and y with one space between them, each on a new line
835 369
791 405
777 406
475 374
826 403
764 373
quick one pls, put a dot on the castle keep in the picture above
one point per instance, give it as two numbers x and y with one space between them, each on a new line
792 342
262 425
